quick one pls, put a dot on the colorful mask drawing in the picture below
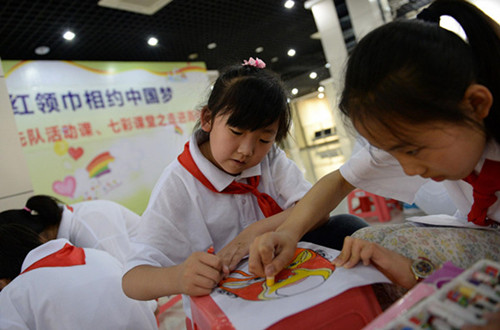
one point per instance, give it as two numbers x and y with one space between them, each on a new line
99 165
307 270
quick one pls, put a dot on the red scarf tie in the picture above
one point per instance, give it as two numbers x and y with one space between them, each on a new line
267 204
69 255
484 185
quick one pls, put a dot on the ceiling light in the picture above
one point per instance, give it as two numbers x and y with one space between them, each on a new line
259 49
313 75
152 41
291 52
42 50
193 56
274 59
68 35
321 95
321 89
295 91
289 4
212 45
327 65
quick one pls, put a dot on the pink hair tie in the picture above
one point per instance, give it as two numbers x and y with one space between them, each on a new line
257 62
32 212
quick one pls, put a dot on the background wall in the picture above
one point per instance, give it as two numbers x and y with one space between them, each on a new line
15 182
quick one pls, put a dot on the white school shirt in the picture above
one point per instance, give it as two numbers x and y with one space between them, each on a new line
85 296
183 216
100 224
378 172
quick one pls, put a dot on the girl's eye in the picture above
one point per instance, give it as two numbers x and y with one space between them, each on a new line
235 132
265 141
412 152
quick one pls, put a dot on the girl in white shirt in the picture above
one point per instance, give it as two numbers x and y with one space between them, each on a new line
428 103
229 185
55 285
99 224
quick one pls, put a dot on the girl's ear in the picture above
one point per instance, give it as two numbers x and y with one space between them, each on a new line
4 282
206 119
479 98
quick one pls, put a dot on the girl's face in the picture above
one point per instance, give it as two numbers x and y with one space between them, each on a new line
234 150
440 152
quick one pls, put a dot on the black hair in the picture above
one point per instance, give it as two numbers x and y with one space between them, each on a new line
41 212
255 98
16 241
414 71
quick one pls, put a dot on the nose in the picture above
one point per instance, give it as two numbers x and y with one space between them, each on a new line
246 147
412 167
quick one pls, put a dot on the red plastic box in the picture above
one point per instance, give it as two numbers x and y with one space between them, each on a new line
350 310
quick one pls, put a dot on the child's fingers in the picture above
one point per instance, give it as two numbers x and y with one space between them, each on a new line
211 260
366 253
345 254
261 254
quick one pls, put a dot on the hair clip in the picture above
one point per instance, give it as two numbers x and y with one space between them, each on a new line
257 62
32 212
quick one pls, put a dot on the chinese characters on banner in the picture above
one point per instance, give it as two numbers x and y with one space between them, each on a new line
103 130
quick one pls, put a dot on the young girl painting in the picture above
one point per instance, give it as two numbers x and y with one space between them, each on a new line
427 101
230 184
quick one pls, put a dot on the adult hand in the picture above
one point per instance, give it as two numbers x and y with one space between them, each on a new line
393 265
270 253
199 274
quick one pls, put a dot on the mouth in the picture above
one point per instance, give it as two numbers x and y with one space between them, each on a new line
239 162
438 178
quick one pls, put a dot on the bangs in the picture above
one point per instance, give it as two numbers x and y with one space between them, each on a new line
253 105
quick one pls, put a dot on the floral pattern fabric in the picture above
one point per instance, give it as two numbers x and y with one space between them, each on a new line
462 246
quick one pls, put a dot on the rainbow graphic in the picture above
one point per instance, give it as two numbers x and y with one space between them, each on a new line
99 165
178 129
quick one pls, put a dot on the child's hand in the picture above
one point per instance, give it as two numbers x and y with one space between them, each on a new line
199 274
270 253
395 266
493 323
237 249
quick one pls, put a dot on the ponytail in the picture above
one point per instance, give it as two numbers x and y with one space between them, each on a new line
483 36
16 241
40 213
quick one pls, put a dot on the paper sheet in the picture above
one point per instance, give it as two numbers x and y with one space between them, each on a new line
250 304
448 220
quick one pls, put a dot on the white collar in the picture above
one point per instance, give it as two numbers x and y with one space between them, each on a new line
42 251
218 178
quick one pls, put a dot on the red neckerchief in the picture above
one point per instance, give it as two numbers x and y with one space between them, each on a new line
69 255
484 185
267 204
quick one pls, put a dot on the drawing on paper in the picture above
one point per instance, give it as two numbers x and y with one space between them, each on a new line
308 270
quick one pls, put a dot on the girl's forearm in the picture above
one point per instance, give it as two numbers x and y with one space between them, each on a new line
312 210
147 282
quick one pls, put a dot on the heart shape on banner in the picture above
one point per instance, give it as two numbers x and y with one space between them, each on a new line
75 153
66 187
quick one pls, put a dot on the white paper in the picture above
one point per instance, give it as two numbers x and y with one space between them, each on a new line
295 296
448 220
